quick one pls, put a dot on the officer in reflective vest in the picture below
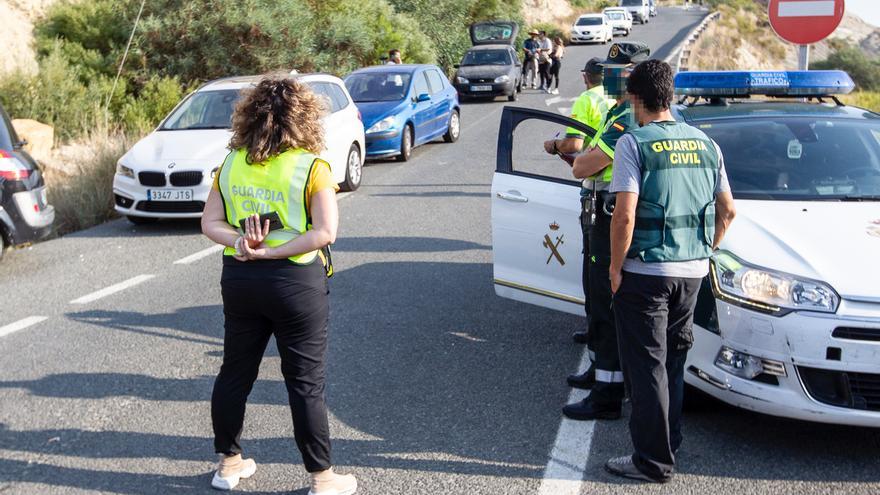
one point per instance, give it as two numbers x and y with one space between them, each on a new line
590 108
273 207
673 207
604 376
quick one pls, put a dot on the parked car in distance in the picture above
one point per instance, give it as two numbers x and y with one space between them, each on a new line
640 10
404 106
25 215
592 28
620 20
492 67
169 173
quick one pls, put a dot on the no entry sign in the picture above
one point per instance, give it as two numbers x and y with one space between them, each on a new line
804 22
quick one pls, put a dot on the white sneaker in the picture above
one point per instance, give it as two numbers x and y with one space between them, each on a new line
329 483
554 92
231 470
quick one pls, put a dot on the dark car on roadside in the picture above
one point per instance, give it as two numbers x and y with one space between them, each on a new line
491 67
25 215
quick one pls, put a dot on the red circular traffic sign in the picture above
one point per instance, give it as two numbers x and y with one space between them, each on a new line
804 22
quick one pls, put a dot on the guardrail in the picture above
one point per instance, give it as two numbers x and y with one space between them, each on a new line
680 56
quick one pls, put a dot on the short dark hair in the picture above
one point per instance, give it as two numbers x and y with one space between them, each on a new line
595 79
652 81
393 52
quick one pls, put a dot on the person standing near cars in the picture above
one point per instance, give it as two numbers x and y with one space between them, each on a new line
545 46
530 60
274 279
394 57
605 376
673 208
556 56
590 108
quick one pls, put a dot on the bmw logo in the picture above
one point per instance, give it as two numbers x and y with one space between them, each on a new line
171 165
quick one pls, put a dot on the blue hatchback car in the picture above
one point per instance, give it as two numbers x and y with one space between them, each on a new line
403 106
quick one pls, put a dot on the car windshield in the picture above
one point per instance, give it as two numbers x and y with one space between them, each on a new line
589 21
204 110
800 158
615 16
486 57
631 3
377 86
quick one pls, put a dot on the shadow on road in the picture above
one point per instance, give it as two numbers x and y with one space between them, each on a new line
199 324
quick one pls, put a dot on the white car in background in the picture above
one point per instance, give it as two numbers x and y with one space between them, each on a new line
591 28
169 173
620 19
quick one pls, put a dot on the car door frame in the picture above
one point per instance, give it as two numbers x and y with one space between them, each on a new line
441 106
525 287
421 110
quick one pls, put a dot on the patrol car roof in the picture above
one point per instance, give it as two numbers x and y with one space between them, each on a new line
769 109
238 82
393 68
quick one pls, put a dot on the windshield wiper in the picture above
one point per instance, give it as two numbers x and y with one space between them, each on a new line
200 127
867 197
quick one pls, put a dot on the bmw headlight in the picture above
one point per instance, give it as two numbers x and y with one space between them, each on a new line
124 171
382 125
461 80
768 291
502 79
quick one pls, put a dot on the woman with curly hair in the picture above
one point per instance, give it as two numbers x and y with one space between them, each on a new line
274 208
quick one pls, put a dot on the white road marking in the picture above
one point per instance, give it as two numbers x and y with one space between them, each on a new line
204 253
113 289
341 196
810 8
565 110
21 324
564 473
558 99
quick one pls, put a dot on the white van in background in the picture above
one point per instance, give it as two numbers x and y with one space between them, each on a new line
640 9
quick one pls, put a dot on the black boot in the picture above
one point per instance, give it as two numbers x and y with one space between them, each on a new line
584 381
587 410
580 337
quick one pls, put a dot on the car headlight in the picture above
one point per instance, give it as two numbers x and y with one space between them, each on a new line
124 171
461 80
382 125
768 291
502 79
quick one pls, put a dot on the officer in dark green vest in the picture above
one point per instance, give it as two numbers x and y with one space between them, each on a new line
673 207
604 376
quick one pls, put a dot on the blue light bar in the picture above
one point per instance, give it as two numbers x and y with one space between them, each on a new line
743 83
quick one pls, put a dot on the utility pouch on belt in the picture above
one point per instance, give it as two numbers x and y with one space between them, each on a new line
608 201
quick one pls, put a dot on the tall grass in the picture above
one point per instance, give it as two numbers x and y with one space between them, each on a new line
869 100
79 179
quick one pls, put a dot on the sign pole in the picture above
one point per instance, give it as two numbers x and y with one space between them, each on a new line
803 57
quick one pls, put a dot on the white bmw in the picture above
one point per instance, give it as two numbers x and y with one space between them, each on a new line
169 173
788 321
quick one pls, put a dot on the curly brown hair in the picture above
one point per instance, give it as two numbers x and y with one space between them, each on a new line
278 114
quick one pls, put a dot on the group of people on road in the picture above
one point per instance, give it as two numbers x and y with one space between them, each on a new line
542 60
650 225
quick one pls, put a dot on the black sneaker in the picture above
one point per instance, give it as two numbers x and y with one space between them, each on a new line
587 410
624 467
580 337
584 381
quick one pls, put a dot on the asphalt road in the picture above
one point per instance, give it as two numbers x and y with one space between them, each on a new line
436 386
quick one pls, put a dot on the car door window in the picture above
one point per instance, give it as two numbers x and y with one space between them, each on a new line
526 145
435 80
323 90
340 101
420 85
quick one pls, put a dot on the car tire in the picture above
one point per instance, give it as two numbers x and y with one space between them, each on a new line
626 33
141 220
2 244
406 144
695 400
519 86
354 169
513 96
454 128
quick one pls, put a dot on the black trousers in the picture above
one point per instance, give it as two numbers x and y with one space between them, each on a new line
655 318
262 298
544 71
585 270
608 390
555 67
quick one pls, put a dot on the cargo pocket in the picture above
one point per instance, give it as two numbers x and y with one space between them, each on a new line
683 338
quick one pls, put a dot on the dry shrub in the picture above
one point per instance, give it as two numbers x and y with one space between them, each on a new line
79 180
869 100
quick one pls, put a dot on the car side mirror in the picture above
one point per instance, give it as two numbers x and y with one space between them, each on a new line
456 66
21 144
423 97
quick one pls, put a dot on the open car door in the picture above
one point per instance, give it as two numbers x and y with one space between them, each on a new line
537 240
494 33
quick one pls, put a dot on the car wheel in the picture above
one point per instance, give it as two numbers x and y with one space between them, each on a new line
513 96
354 168
2 245
141 220
454 129
519 86
406 143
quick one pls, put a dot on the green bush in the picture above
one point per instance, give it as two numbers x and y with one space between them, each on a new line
140 113
864 71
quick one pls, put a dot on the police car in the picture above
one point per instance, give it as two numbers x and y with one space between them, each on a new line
788 320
